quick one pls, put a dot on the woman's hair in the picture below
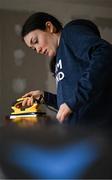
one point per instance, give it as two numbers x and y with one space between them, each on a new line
52 65
38 21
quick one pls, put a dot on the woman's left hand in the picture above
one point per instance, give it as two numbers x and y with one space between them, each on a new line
63 113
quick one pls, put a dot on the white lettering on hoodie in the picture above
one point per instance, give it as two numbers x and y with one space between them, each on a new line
60 75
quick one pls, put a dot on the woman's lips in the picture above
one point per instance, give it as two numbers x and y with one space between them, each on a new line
45 52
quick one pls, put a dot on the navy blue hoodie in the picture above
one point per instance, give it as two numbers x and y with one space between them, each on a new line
83 74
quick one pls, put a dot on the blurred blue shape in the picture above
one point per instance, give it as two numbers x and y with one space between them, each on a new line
67 161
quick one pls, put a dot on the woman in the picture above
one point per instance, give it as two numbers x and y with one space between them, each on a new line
81 63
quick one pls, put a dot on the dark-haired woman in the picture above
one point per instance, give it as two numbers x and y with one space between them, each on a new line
82 66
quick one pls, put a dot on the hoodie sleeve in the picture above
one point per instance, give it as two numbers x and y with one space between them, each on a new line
88 46
50 99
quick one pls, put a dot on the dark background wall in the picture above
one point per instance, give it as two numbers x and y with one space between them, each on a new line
20 69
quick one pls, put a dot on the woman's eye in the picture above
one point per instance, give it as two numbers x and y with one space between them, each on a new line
35 41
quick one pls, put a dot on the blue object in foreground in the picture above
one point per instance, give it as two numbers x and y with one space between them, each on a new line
68 161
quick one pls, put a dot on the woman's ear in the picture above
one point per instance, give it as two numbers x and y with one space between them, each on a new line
49 27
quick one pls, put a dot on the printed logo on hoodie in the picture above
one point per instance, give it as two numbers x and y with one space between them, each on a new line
59 74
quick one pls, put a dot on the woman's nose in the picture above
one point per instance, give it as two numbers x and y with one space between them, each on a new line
39 49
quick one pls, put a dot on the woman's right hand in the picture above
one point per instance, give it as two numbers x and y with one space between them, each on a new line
31 96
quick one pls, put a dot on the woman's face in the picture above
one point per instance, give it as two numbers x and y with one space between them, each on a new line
43 42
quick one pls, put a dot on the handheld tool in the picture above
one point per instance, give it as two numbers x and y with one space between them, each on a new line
25 112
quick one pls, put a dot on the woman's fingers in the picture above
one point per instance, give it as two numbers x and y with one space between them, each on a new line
30 101
27 101
27 94
61 116
30 96
63 113
24 102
